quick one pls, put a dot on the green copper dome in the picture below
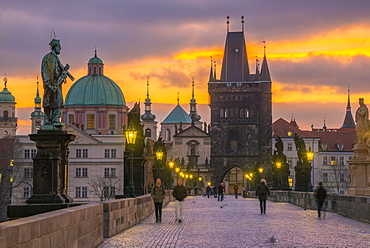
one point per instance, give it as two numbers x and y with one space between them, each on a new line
6 96
95 60
95 90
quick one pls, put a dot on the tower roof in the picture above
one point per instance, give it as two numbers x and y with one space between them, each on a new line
235 66
265 72
348 119
177 115
5 95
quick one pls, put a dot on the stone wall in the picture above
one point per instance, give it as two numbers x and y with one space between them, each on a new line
124 213
356 207
80 226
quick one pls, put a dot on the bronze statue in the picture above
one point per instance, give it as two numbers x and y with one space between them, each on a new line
53 75
362 122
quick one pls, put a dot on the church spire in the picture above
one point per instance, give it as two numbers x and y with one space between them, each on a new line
348 119
265 73
37 116
193 105
147 116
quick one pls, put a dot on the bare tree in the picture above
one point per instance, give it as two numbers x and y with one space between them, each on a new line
336 179
103 187
10 172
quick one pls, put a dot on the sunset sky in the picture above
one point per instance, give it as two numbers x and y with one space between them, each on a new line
315 50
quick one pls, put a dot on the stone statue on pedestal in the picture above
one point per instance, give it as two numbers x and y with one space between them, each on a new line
362 121
54 74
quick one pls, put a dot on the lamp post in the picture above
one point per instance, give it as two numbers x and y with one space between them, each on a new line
310 157
278 166
131 134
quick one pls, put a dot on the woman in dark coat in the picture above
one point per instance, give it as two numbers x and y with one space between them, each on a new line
263 192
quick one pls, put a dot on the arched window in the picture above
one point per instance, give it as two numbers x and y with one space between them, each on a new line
148 132
6 114
111 122
167 135
71 119
90 121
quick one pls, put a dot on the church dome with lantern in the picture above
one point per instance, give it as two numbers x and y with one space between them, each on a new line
95 103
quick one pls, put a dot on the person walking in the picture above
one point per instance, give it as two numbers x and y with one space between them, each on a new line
236 191
221 191
263 192
208 191
214 191
158 194
179 192
320 195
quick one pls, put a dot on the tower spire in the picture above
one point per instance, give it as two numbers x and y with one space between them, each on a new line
348 119
193 105
211 72
242 24
178 98
265 72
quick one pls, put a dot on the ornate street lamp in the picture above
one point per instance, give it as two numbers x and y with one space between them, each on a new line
260 170
310 156
159 155
131 134
278 166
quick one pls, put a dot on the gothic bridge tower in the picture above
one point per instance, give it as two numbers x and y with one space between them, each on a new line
241 112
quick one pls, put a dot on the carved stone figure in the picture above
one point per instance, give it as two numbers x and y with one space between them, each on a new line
279 146
301 149
53 75
362 122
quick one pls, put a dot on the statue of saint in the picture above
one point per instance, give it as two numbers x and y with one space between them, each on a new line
362 123
53 75
279 146
301 149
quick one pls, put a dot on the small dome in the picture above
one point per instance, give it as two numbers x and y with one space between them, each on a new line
6 96
95 60
95 90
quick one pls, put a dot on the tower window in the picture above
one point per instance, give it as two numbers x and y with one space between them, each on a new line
168 135
90 121
148 132
112 122
6 114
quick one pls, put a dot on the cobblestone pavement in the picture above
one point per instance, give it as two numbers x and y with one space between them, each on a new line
237 223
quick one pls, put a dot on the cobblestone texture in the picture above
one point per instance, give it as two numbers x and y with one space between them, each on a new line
237 223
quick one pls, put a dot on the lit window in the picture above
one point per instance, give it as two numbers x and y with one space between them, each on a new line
341 160
90 121
112 122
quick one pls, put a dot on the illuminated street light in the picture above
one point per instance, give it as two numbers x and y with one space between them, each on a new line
131 134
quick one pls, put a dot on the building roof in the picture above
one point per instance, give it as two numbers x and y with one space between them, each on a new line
5 95
177 115
330 139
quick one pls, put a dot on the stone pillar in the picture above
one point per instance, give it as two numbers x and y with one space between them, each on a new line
360 171
50 167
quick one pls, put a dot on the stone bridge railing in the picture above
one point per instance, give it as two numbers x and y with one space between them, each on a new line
80 226
356 207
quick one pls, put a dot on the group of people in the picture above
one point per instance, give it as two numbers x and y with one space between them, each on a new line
158 193
180 193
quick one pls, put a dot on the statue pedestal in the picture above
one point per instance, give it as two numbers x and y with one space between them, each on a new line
360 171
303 177
50 167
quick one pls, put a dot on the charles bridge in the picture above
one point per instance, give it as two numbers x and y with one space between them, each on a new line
207 223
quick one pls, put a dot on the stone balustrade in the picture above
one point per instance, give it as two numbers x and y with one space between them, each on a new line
80 226
356 207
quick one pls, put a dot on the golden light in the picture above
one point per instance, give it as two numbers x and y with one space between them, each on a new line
310 154
200 178
11 179
290 182
11 162
186 176
171 164
191 176
278 165
159 155
260 170
182 175
332 162
177 169
251 174
1 177
247 176
131 134
209 183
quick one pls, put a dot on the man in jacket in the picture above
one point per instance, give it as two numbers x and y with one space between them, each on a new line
320 195
158 194
179 192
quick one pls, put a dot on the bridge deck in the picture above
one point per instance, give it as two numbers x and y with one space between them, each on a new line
237 223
